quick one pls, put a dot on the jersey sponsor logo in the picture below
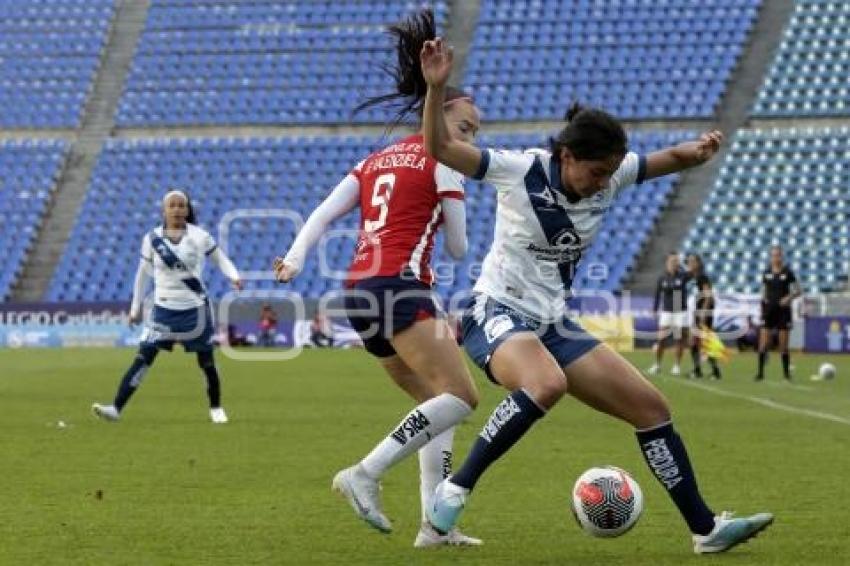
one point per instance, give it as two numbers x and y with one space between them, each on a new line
501 415
447 463
662 462
412 426
497 326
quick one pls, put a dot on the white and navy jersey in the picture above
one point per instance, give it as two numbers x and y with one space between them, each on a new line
177 267
540 236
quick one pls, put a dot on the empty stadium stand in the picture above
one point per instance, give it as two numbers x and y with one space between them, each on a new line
808 76
640 60
49 53
30 171
258 176
786 187
258 62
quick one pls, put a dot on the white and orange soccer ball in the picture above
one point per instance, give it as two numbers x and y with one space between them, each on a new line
607 501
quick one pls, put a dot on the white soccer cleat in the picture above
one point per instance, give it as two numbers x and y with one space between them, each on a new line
105 412
363 493
428 537
676 370
729 532
218 416
653 369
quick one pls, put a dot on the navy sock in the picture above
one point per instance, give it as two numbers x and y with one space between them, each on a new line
134 375
696 360
762 362
714 367
207 364
666 456
508 423
786 364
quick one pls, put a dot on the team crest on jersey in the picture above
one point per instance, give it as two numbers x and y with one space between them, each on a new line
497 326
547 197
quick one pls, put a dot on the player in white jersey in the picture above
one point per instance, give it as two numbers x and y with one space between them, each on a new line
550 205
174 254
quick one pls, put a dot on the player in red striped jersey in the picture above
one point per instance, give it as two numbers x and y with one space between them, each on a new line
404 197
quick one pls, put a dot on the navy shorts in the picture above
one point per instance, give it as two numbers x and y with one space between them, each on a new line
380 307
193 328
487 324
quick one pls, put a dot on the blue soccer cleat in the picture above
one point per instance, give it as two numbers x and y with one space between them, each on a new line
449 501
729 532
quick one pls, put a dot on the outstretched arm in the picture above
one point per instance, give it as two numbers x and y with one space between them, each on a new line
341 200
436 60
684 155
220 259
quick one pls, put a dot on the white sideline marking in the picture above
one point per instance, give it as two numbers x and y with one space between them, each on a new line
764 402
786 385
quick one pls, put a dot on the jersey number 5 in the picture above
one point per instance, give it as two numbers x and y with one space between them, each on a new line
381 194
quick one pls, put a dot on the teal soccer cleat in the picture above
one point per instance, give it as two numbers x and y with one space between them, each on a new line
729 532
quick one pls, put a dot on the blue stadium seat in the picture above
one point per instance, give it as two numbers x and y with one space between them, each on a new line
49 52
261 62
808 76
778 187
30 171
295 173
639 60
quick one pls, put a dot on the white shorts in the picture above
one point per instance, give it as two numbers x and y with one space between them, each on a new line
673 320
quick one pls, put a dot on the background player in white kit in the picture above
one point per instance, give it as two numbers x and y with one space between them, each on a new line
174 255
550 205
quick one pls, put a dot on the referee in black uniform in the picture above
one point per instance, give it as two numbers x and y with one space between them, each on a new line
671 298
779 288
703 313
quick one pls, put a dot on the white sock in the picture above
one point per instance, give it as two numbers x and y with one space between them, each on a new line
419 426
435 465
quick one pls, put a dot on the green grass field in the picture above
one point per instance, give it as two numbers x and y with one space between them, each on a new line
165 486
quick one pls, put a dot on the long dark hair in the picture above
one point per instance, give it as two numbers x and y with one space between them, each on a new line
410 87
700 264
190 215
590 134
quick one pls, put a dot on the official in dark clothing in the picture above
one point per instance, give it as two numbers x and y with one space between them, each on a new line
779 289
671 304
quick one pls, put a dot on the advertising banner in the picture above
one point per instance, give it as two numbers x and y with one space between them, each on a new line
828 334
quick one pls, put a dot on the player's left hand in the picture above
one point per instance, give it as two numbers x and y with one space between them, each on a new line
707 146
284 272
785 301
436 60
237 284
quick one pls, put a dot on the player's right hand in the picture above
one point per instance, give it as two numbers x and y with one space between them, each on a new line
134 318
284 272
436 60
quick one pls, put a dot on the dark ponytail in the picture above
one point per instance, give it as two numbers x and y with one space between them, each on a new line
410 36
590 134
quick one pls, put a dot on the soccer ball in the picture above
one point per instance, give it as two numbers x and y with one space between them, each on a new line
607 501
826 371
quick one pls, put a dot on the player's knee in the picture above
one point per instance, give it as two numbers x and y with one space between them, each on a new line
470 396
147 354
549 387
205 360
654 410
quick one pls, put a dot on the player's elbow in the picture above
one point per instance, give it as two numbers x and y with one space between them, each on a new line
457 249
